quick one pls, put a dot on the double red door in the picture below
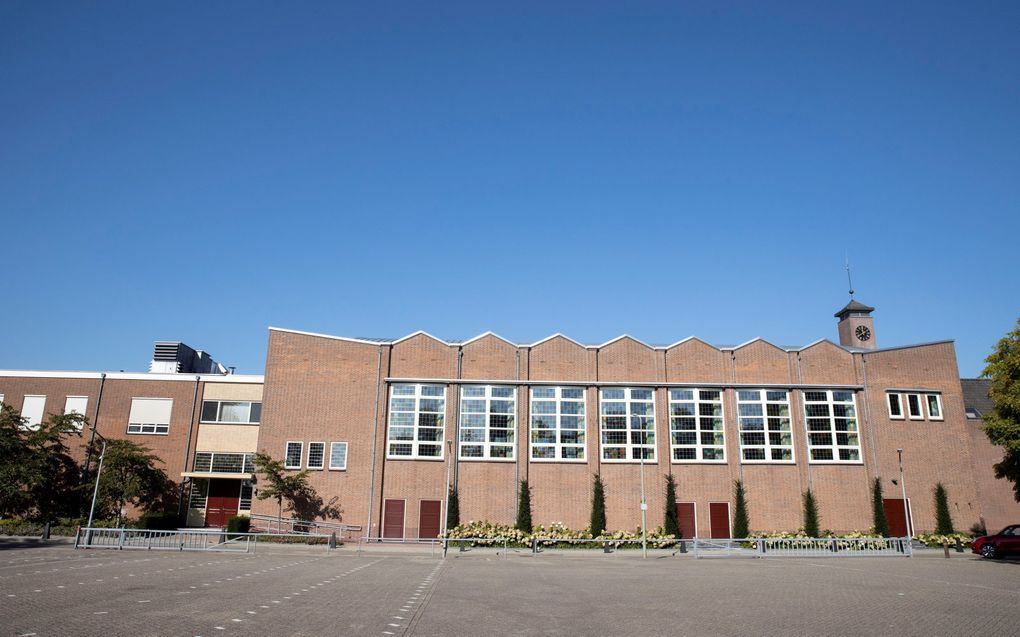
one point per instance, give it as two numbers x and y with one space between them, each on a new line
222 503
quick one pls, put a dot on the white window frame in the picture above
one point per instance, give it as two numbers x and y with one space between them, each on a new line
920 406
417 396
219 408
286 454
832 430
899 402
147 428
247 462
33 426
699 446
487 444
938 401
764 401
629 430
333 467
556 417
241 500
308 456
68 411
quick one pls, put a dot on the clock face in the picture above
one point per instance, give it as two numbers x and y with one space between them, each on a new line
863 333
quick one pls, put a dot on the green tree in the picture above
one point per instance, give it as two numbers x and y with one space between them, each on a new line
524 508
943 519
38 476
598 507
452 508
130 476
1002 425
741 524
671 524
880 522
810 515
293 488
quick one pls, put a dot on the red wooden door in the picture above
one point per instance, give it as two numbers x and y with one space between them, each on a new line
224 498
894 514
428 518
393 519
685 518
719 517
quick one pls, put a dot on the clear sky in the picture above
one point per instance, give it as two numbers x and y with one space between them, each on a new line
200 171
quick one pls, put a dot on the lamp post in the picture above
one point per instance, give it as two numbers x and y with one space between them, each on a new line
644 510
95 491
446 509
903 491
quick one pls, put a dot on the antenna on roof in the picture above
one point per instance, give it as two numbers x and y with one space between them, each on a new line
848 281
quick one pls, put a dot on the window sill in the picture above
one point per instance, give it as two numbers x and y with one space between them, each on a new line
426 458
718 462
472 459
788 463
849 463
218 422
559 461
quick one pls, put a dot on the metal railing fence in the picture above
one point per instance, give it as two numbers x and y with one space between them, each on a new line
190 540
272 523
802 547
461 544
608 545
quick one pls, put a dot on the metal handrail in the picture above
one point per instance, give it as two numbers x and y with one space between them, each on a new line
333 526
434 542
763 547
182 539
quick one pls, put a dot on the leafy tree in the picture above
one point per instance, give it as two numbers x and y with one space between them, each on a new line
38 476
598 507
130 476
1002 425
294 489
810 515
524 508
880 522
741 524
671 524
452 508
943 519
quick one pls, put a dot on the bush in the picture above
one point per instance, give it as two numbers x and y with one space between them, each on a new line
741 524
811 527
881 523
159 521
524 508
934 540
670 522
598 507
943 519
238 524
453 509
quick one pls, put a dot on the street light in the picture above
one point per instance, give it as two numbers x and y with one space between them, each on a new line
95 491
644 509
903 491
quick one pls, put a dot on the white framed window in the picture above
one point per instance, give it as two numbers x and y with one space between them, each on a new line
895 404
316 455
487 420
32 411
557 424
627 419
219 462
199 492
416 421
292 457
76 405
150 416
232 411
914 407
244 504
338 456
934 404
1 398
696 431
832 426
763 419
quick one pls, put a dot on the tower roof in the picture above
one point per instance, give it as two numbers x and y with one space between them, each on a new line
854 306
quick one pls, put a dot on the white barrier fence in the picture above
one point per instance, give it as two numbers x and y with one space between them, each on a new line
192 540
803 547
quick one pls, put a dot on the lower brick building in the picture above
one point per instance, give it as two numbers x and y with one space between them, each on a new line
385 425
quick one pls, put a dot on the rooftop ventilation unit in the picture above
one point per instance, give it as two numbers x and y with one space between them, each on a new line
174 357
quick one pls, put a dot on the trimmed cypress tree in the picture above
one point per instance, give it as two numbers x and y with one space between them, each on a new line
598 507
943 519
524 508
671 524
452 508
741 524
810 515
881 523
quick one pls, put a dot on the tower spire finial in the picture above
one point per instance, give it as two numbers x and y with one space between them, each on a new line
848 281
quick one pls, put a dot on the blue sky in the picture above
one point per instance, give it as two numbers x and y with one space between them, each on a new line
193 172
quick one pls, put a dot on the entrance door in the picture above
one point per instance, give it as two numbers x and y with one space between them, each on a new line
429 517
224 497
719 518
685 519
894 514
393 519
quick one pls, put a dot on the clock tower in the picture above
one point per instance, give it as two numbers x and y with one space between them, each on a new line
856 327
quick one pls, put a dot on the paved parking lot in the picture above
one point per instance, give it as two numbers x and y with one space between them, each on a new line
55 590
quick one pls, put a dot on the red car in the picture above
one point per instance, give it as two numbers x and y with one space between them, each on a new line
1004 542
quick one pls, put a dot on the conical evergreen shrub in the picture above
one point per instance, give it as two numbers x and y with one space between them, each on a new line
452 508
741 524
598 507
810 515
524 508
943 519
671 524
880 522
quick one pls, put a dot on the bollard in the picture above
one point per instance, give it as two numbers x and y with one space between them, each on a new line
945 546
332 540
534 546
46 531
605 546
683 546
959 546
462 549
